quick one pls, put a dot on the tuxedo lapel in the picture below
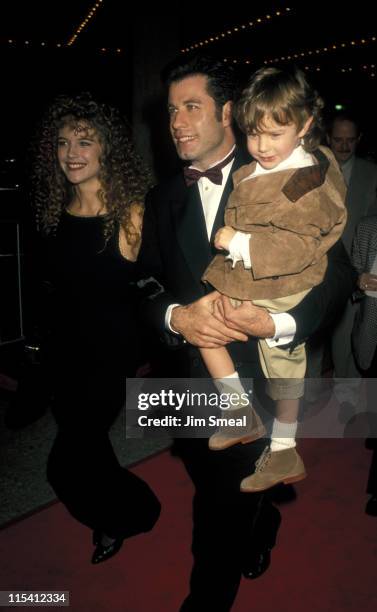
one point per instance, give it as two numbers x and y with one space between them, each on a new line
190 227
191 230
219 219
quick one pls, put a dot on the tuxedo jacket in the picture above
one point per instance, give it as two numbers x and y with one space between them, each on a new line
175 250
364 252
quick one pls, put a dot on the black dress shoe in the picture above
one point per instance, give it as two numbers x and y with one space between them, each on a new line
96 536
104 552
257 565
371 443
283 494
371 507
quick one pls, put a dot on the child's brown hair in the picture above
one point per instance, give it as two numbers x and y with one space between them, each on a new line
286 97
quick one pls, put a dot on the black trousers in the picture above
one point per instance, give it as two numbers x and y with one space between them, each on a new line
228 526
82 466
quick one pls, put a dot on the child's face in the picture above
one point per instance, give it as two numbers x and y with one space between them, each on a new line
273 143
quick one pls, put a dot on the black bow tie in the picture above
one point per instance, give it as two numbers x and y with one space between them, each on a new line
214 174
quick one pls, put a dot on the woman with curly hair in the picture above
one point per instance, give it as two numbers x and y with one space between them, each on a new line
89 187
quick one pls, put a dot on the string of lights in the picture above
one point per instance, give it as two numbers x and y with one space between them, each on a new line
368 69
28 44
84 22
236 30
328 49
291 56
16 43
308 53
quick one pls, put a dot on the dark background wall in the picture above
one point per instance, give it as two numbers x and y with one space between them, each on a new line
119 59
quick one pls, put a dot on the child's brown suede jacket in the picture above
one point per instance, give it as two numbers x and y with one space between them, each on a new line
294 216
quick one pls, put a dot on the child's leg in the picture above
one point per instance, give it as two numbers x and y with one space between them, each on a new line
218 362
281 463
284 427
220 365
221 368
285 371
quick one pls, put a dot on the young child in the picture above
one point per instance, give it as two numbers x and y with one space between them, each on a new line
284 214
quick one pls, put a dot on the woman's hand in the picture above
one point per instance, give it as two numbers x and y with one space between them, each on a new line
367 282
223 237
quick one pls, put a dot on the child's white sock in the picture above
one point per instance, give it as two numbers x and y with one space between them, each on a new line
230 383
283 435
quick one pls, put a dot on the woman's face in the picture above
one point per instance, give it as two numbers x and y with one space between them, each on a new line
79 153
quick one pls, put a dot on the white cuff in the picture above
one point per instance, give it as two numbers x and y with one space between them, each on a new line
168 317
285 329
239 249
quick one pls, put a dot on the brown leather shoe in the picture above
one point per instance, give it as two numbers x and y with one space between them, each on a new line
271 468
240 426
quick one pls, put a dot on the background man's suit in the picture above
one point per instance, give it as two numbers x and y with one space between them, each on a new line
364 340
361 200
364 333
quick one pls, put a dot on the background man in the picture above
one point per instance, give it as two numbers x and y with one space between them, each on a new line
360 176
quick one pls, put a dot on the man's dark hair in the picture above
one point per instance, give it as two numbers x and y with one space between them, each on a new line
221 80
344 115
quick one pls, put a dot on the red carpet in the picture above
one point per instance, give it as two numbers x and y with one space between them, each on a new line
325 560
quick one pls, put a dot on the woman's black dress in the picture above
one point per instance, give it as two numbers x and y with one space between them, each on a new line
96 344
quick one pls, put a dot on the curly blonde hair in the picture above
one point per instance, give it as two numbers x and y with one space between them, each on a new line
123 176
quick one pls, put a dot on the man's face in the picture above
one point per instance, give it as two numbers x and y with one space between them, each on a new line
199 136
343 139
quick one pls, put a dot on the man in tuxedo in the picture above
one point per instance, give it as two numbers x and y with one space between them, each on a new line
360 176
233 532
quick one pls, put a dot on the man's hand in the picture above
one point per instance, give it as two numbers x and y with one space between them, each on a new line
198 325
252 320
367 282
223 237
